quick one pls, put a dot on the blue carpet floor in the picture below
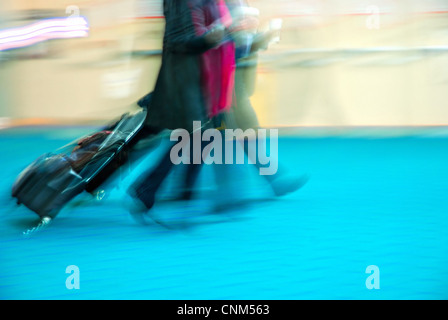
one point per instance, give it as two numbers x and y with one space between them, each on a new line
370 201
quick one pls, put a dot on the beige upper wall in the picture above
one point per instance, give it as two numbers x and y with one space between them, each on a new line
96 78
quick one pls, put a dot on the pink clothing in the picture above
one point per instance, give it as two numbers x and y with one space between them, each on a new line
218 64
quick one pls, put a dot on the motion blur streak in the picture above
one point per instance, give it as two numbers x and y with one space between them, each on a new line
43 30
358 91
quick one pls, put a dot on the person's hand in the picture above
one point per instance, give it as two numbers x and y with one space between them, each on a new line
263 40
271 35
246 23
216 34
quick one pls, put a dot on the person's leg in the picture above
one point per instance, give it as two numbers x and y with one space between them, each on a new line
244 114
193 170
281 182
145 188
191 175
246 118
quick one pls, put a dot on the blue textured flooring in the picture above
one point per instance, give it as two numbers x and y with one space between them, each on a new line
370 201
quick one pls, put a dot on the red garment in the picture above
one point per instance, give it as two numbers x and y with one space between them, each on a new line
217 64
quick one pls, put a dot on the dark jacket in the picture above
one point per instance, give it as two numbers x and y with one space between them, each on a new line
177 99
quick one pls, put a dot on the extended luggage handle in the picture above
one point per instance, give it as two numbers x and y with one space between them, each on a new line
117 131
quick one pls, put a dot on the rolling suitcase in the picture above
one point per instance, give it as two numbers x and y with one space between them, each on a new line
54 179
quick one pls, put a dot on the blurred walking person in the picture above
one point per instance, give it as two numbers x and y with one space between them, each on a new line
248 42
195 83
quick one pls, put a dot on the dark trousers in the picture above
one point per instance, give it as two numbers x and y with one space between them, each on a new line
146 187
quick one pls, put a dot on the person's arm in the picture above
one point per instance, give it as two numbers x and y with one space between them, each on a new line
186 31
261 41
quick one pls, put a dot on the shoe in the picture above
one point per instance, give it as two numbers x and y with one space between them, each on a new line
136 207
185 195
284 185
230 207
140 211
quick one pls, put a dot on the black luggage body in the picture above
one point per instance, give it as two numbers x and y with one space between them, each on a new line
54 179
